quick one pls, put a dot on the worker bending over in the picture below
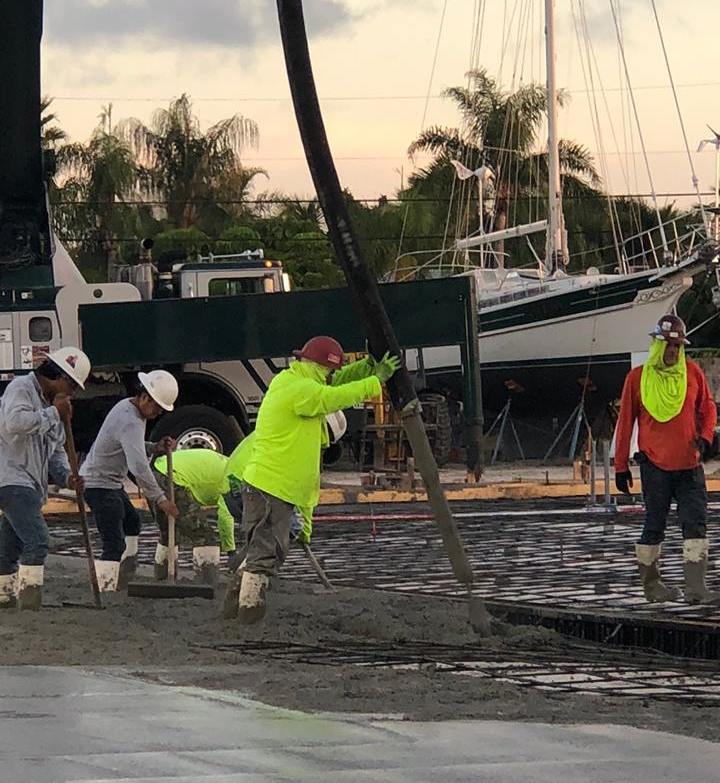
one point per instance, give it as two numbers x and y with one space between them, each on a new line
283 472
120 447
200 480
32 451
670 399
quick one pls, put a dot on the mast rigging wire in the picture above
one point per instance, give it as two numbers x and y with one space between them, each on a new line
639 127
695 180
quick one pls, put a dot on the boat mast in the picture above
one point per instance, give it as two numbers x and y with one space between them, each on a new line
556 251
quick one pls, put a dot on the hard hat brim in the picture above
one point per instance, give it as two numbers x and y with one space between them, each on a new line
662 338
66 371
144 379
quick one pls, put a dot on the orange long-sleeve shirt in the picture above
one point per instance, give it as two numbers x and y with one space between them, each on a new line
670 445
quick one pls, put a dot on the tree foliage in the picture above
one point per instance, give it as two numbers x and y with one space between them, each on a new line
188 189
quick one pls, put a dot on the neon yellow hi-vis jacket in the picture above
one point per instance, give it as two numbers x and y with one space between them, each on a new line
203 473
239 458
290 429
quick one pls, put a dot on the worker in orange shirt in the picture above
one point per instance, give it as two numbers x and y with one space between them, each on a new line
671 401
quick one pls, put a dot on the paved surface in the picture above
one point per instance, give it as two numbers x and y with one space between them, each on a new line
59 725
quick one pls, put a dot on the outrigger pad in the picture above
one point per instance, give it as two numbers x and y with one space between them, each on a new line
170 590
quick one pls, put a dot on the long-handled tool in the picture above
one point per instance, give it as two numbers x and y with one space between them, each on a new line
172 559
73 459
319 570
171 588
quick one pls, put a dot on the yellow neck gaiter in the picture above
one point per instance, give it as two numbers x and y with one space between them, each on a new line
663 389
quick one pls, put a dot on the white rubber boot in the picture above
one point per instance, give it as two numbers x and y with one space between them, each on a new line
656 591
695 561
161 561
107 574
231 600
160 566
8 590
251 602
128 562
29 587
206 564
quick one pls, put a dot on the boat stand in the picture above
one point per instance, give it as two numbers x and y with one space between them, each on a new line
503 420
576 418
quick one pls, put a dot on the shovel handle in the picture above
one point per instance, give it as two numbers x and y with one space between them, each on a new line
319 570
171 519
74 467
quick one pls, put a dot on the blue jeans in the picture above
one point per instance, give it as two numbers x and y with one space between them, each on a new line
115 517
23 532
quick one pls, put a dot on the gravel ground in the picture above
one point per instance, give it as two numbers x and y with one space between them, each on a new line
169 641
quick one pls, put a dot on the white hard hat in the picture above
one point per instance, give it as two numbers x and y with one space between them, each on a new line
161 386
73 362
337 425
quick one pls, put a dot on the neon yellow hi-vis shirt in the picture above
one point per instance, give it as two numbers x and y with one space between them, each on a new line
203 473
285 459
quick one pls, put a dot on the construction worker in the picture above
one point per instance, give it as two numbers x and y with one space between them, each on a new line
671 402
200 480
301 529
283 472
120 448
32 451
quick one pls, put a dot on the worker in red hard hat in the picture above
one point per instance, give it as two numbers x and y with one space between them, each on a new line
283 471
671 402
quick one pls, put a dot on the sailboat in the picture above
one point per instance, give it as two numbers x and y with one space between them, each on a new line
551 340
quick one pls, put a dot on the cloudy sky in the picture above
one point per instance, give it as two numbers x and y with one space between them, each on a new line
373 63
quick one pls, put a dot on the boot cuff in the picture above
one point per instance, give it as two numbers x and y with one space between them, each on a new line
695 549
647 554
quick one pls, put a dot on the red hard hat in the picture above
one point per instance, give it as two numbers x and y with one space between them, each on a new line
671 329
322 350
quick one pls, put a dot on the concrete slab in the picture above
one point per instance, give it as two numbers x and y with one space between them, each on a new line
65 725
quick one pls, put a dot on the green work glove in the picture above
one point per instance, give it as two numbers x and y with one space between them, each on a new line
302 525
305 534
386 367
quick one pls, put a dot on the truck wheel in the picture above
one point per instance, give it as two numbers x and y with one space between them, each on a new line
436 411
199 427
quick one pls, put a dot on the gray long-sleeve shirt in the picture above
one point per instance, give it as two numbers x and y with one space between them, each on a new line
120 447
32 438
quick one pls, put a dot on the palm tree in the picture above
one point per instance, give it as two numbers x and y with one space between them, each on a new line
501 130
97 178
184 166
52 134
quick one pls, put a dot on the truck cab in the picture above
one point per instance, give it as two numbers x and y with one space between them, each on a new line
218 400
246 273
212 275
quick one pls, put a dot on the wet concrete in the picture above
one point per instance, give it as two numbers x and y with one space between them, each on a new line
63 724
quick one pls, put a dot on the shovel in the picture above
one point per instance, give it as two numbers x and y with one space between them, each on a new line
170 589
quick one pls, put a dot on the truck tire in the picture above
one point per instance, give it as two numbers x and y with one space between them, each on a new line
437 411
199 427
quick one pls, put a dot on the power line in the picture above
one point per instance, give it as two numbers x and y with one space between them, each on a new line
337 98
373 200
90 234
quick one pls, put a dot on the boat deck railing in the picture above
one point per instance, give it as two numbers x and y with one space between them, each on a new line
650 249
